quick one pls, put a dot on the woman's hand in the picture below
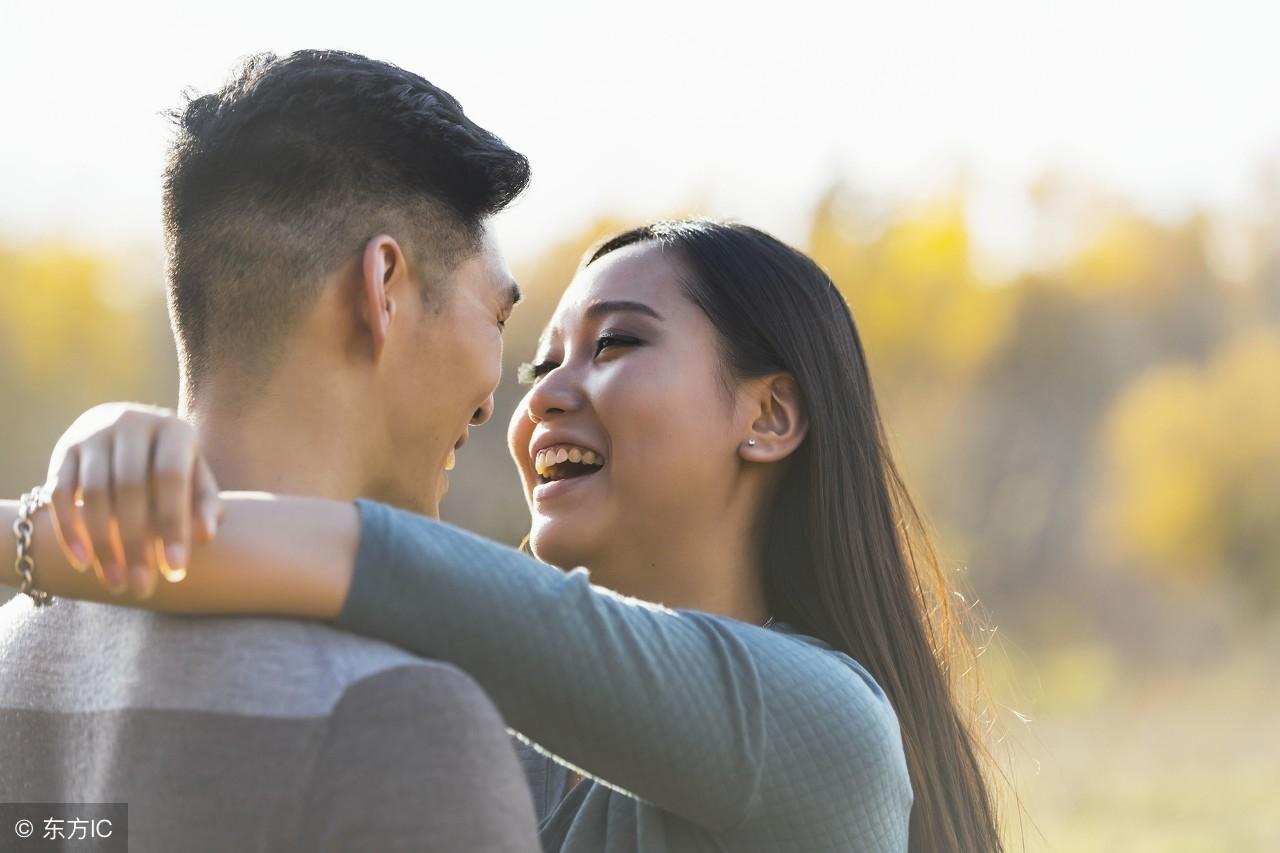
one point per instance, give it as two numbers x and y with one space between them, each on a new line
274 555
129 491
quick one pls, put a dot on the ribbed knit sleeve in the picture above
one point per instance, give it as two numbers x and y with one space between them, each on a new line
706 717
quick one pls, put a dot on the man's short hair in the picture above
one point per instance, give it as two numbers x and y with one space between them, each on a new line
291 168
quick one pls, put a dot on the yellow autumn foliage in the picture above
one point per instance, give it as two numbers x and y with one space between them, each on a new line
921 310
1192 461
59 324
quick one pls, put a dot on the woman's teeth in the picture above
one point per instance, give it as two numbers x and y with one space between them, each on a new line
450 461
547 461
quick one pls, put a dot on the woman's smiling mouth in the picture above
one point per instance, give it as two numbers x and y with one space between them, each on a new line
559 468
566 461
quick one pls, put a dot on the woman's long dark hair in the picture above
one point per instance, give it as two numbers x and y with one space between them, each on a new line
845 557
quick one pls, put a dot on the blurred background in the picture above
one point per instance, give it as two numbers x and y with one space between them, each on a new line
1058 226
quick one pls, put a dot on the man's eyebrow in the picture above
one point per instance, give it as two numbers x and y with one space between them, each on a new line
597 309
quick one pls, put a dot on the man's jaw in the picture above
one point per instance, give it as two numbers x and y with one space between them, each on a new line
452 459
450 462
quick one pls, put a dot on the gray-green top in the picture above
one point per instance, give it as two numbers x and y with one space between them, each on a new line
698 732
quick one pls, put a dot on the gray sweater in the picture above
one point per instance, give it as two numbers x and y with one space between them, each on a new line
250 735
697 732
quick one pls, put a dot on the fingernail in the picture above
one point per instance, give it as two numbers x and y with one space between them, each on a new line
116 581
79 556
211 521
144 584
176 556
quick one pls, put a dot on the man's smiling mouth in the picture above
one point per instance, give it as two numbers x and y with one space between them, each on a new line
452 459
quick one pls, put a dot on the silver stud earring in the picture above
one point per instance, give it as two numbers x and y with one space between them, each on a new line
751 442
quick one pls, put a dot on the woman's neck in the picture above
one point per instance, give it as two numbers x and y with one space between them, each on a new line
713 573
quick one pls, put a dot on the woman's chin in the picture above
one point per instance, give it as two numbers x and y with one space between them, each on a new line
560 543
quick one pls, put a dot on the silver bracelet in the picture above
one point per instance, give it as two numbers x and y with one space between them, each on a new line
25 564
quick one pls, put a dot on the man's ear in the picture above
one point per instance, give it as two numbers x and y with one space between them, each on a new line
780 421
383 275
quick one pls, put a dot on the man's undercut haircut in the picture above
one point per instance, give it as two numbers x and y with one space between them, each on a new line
290 169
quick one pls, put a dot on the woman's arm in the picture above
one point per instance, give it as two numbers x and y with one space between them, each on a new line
274 555
704 716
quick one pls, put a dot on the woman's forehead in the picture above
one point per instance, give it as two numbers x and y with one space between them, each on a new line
643 274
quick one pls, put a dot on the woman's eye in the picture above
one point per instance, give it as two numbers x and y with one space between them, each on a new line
612 339
529 373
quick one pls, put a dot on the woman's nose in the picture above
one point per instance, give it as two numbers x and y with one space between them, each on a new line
555 394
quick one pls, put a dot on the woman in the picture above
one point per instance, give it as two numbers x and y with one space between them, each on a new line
701 431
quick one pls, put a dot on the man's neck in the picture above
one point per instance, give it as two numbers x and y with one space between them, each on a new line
280 445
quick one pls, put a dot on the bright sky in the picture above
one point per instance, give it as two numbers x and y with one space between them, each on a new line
642 108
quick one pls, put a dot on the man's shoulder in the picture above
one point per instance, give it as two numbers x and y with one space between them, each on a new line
99 657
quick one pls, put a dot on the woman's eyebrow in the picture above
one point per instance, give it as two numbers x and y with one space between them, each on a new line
597 309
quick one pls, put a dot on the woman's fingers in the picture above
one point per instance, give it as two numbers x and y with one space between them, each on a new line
206 501
130 485
125 482
95 488
138 477
73 537
172 481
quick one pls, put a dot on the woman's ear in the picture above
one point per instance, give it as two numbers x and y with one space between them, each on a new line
383 270
780 420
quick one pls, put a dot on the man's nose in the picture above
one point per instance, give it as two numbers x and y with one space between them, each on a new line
482 414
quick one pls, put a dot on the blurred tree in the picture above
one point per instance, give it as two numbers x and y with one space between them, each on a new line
993 391
73 334
922 312
1135 294
1192 471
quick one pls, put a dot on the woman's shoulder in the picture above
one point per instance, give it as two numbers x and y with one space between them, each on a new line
858 721
834 723
833 656
803 678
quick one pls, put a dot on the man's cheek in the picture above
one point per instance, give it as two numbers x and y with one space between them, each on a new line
493 368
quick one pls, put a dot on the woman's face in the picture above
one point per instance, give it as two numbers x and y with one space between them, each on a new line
629 394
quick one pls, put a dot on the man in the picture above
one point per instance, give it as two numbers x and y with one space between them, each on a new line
338 306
